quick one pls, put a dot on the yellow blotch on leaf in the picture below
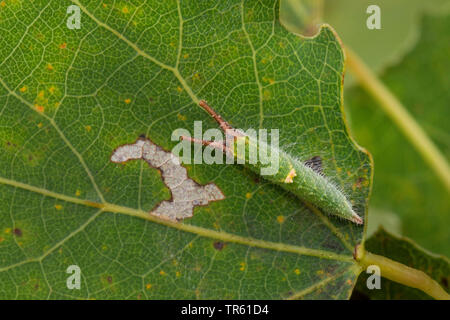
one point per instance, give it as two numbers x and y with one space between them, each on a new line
162 273
319 272
78 193
39 125
127 101
297 271
248 195
8 230
23 89
179 89
243 266
267 95
125 10
280 219
148 286
58 207
178 274
181 117
2 4
269 80
1 239
39 108
51 89
63 45
186 55
266 59
196 76
49 67
88 128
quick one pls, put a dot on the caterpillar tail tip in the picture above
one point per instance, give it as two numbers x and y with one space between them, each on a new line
357 219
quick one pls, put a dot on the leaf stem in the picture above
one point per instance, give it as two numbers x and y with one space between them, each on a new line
401 273
401 117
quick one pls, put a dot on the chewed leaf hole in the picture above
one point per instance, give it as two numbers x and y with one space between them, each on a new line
186 193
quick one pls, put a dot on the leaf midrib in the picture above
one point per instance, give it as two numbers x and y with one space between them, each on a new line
204 232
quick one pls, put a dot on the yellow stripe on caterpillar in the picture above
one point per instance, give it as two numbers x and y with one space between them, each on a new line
290 176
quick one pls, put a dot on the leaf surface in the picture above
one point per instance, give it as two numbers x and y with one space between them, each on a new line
70 97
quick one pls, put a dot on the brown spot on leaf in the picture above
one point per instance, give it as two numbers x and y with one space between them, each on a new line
94 204
359 182
218 245
17 232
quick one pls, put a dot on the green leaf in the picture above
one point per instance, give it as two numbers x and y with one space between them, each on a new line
71 97
407 252
404 184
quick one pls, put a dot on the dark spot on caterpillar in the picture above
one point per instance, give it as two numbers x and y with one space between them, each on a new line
142 136
315 163
109 279
218 245
444 282
17 232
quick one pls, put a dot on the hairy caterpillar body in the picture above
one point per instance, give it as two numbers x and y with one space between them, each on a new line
304 179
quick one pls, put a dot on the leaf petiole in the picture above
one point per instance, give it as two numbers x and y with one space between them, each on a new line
401 273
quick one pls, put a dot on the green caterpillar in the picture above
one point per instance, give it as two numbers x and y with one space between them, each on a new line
304 179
